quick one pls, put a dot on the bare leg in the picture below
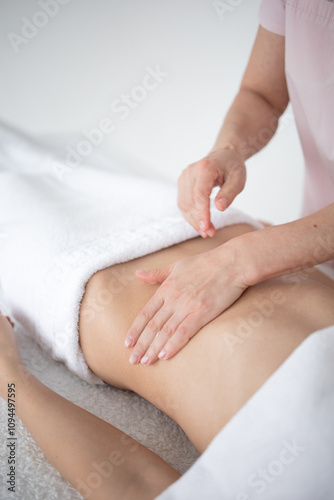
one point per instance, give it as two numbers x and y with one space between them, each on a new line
100 461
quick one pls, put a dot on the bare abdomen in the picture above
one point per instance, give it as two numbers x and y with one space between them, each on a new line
224 364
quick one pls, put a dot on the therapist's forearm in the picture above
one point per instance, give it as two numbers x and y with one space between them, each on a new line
249 125
287 248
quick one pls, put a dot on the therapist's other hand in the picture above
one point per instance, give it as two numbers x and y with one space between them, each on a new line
225 168
194 291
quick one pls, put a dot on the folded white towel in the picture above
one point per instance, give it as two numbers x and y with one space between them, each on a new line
59 230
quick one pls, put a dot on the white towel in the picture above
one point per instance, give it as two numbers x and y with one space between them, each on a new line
57 231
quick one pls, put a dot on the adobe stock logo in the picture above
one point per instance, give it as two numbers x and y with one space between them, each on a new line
120 108
31 27
265 476
225 7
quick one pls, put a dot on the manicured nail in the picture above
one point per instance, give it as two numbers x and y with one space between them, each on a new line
134 358
145 359
223 203
202 225
202 234
211 232
162 354
128 341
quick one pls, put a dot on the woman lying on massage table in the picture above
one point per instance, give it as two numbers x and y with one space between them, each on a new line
201 387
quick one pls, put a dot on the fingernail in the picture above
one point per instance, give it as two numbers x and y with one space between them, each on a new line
211 232
128 341
202 225
141 271
202 234
223 203
162 354
145 359
134 358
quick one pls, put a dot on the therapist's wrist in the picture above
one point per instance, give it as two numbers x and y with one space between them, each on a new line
269 253
246 250
231 262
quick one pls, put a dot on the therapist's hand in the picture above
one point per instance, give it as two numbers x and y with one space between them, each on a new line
194 291
225 168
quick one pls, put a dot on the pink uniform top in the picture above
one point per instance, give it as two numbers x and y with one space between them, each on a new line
308 27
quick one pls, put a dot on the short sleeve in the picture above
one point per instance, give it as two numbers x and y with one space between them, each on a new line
272 16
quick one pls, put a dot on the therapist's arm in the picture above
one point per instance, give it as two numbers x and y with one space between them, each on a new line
287 248
218 278
249 125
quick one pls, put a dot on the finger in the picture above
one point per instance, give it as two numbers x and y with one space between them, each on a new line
205 182
154 275
192 218
202 191
211 231
161 339
142 319
185 200
187 183
186 329
148 334
187 204
233 185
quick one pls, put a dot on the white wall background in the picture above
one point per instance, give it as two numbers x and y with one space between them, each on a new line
64 78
